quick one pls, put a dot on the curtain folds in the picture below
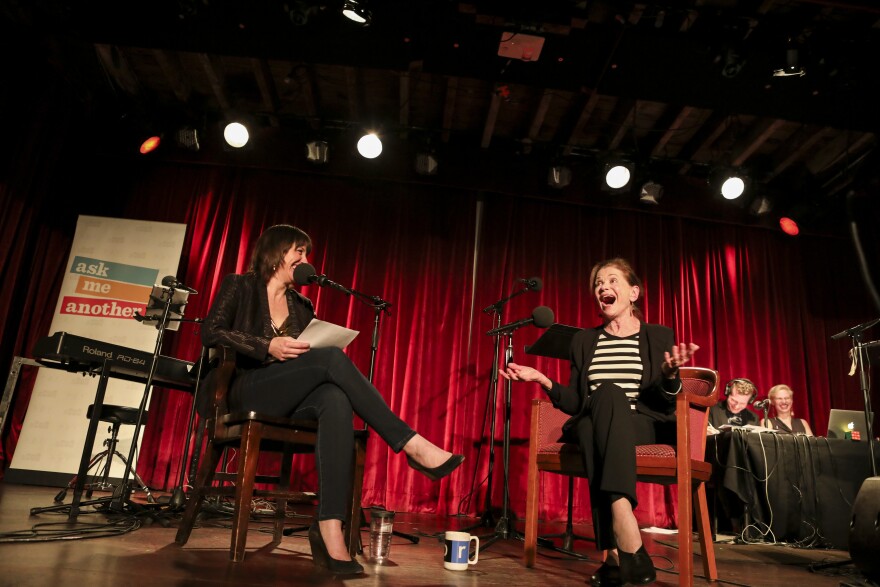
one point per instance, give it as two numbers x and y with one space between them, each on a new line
759 304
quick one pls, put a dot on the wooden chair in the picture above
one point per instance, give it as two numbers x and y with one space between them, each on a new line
655 463
252 433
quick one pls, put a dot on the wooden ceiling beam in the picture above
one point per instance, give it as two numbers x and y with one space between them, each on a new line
268 93
215 79
758 136
352 86
838 151
798 145
404 106
117 66
583 117
302 73
540 113
491 119
449 107
703 140
682 116
171 68
627 121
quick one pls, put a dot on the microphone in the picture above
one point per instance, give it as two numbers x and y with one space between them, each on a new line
542 317
760 405
304 274
171 281
533 283
856 329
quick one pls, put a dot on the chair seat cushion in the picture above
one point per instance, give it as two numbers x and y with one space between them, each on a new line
644 450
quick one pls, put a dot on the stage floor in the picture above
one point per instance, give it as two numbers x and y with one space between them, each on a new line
149 556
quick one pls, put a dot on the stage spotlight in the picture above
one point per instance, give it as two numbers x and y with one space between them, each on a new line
357 11
618 174
150 144
730 183
760 206
318 151
426 163
188 138
651 193
236 134
369 146
559 176
789 226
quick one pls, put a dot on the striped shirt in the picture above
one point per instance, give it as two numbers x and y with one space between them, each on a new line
617 360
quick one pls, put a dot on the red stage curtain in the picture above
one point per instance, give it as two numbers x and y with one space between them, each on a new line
759 304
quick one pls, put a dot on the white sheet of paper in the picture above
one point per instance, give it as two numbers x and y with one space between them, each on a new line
322 334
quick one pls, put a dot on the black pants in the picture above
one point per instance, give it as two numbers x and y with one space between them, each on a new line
608 435
323 384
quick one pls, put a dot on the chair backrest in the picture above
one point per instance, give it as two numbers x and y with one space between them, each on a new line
213 389
700 389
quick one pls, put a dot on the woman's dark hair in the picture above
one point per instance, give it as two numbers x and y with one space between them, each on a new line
273 244
628 274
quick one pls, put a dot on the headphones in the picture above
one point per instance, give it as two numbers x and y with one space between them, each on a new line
741 380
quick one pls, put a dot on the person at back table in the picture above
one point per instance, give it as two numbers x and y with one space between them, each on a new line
784 420
734 410
624 379
260 315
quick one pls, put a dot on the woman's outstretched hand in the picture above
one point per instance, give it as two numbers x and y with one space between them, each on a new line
680 355
286 347
515 372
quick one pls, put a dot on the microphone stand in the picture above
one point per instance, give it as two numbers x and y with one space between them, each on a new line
860 353
503 527
122 494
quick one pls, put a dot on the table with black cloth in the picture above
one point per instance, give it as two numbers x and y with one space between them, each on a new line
795 489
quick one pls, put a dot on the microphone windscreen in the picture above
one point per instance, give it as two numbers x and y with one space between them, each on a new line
169 281
535 284
303 273
542 316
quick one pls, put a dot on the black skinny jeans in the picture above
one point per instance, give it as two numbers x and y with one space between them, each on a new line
608 435
323 384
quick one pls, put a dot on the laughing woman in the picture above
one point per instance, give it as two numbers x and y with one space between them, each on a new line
784 420
624 379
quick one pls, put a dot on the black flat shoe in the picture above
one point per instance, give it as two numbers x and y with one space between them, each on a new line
606 576
438 472
323 560
636 568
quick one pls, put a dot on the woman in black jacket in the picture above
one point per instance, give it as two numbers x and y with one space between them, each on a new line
624 378
260 315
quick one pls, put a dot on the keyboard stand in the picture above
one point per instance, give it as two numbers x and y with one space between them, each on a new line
79 486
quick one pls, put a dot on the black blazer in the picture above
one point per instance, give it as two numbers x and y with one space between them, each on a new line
239 318
656 392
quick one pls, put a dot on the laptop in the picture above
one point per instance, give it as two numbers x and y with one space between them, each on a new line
842 421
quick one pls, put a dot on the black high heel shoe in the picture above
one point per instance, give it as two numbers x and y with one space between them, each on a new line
636 567
606 576
322 557
435 473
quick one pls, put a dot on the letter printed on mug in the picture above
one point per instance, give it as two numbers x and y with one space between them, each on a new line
457 554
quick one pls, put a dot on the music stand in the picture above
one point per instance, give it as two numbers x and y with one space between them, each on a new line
555 343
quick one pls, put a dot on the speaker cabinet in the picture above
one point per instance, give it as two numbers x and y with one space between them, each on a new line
864 529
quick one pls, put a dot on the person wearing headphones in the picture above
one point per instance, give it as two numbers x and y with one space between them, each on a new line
733 410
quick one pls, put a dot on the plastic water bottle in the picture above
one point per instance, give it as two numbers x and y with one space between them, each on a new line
381 525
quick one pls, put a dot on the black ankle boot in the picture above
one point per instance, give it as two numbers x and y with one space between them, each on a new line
322 558
606 576
636 567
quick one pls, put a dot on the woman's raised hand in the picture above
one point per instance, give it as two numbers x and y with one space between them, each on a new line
680 355
515 372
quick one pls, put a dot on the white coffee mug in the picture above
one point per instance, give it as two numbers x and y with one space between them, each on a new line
457 555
